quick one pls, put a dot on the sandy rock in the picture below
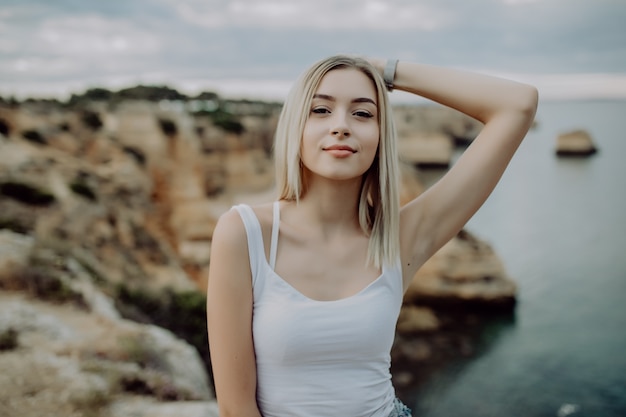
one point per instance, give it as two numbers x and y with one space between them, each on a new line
428 150
148 408
412 119
180 359
410 185
575 143
465 271
14 251
14 155
248 171
135 124
36 383
86 356
417 319
18 314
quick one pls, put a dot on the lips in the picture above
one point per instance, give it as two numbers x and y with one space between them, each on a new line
339 148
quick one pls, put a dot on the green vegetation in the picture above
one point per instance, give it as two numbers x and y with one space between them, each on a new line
46 283
14 225
5 129
223 119
8 339
183 313
96 94
91 119
142 353
25 193
91 401
79 186
150 93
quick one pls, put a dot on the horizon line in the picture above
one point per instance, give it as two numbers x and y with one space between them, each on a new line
552 87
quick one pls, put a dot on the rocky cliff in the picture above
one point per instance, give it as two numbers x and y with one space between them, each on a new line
106 217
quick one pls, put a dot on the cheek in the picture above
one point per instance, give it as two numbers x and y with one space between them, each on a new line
372 142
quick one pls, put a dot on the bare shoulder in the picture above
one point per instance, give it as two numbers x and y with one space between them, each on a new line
229 236
229 229
229 246
264 212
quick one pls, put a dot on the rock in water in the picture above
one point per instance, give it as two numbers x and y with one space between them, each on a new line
575 143
465 273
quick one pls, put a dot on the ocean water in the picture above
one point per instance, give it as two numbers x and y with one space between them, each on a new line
560 227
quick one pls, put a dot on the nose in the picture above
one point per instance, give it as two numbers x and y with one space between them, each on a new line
339 126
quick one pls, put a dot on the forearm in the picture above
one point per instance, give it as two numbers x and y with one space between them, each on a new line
479 96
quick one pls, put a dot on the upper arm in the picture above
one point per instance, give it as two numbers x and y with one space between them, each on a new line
438 214
229 318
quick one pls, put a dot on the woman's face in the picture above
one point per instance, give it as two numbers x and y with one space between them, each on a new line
341 134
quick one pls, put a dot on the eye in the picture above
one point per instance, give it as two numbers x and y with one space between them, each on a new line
320 110
363 114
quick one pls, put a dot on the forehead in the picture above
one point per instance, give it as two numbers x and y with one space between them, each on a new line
347 82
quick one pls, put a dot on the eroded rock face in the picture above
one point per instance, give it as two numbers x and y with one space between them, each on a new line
433 150
133 205
72 362
466 271
576 143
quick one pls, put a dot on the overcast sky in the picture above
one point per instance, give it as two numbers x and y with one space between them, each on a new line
568 48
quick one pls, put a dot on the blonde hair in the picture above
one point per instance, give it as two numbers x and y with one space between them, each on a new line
379 203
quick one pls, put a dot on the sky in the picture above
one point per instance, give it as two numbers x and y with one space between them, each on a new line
569 49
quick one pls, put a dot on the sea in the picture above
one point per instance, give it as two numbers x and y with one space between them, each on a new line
559 226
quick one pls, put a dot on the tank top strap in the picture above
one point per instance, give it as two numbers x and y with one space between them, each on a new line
256 249
274 241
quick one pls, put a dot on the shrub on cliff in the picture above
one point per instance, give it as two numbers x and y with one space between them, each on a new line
80 187
5 129
91 119
15 225
46 282
150 93
97 94
183 313
224 120
8 339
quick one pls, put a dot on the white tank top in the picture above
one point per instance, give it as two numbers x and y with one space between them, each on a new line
320 358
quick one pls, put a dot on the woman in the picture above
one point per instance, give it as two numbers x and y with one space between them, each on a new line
304 293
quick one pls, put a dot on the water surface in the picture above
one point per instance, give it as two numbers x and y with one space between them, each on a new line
560 227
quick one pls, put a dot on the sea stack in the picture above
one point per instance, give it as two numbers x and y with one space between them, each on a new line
577 143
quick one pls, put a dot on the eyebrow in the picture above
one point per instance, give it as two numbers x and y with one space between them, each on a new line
356 100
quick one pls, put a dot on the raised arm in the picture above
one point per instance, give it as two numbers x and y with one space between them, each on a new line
506 109
229 319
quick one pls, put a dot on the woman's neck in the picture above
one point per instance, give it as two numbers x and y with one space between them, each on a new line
331 206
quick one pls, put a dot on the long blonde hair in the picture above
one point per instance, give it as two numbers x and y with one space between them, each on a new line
379 203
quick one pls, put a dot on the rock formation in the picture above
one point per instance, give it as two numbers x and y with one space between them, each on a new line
576 143
106 218
432 150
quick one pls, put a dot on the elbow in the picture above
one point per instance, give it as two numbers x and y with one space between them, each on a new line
525 104
529 101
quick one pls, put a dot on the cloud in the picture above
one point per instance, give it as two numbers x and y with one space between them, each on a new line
320 14
45 45
94 36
